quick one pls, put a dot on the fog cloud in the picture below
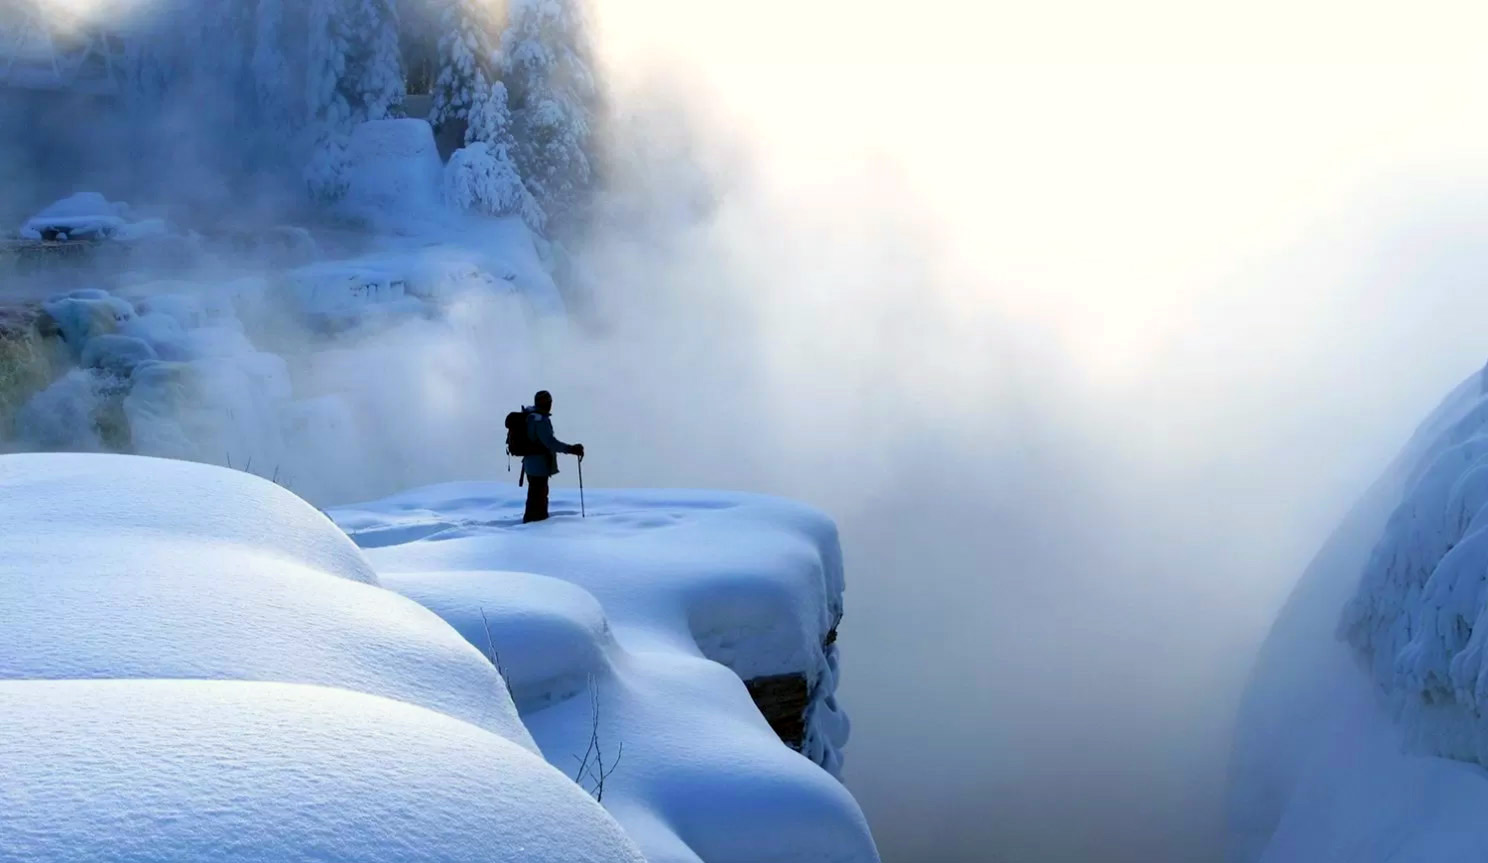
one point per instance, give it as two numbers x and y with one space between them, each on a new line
1086 356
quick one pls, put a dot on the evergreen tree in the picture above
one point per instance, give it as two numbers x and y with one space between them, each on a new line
329 114
546 67
277 101
374 74
482 175
467 61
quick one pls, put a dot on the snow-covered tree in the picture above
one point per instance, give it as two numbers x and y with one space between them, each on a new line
329 112
277 99
482 175
374 73
545 63
467 61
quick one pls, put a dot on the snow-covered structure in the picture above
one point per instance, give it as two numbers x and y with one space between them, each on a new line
1362 736
200 665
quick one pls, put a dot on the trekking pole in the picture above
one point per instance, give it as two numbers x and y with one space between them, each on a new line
582 513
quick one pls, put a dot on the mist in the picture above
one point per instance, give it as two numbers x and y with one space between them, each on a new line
1086 329
1087 358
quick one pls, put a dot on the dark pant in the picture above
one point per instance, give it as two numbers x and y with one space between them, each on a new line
537 499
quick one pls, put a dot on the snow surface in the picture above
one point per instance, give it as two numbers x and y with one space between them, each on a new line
199 665
161 771
1335 763
645 598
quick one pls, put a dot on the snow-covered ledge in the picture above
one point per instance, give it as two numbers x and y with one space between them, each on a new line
659 608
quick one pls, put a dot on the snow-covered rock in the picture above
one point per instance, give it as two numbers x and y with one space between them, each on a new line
393 173
85 215
666 602
90 216
164 333
116 354
199 665
81 315
1370 675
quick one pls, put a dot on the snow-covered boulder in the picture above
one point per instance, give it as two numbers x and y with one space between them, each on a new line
116 354
199 665
647 617
90 216
85 215
164 333
81 315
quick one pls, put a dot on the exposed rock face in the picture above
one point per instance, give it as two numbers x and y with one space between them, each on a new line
783 699
786 700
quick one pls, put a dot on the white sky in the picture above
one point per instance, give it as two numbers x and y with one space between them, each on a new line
1058 143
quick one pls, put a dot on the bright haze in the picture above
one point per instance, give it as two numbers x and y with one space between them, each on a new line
1086 320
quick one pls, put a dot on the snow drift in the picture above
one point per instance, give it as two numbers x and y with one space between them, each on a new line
199 665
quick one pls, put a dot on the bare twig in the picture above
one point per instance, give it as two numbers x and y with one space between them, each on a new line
492 656
597 771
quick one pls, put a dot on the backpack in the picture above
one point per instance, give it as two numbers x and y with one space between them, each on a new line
518 441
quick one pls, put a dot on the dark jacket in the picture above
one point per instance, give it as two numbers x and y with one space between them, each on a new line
540 431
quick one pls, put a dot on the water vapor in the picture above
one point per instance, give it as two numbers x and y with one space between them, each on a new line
1086 357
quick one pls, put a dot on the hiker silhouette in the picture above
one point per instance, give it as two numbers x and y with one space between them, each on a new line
540 458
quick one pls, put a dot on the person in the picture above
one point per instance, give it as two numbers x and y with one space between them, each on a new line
541 466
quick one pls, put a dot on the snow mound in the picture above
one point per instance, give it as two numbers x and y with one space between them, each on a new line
549 636
53 503
629 621
186 771
184 585
1318 771
199 665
